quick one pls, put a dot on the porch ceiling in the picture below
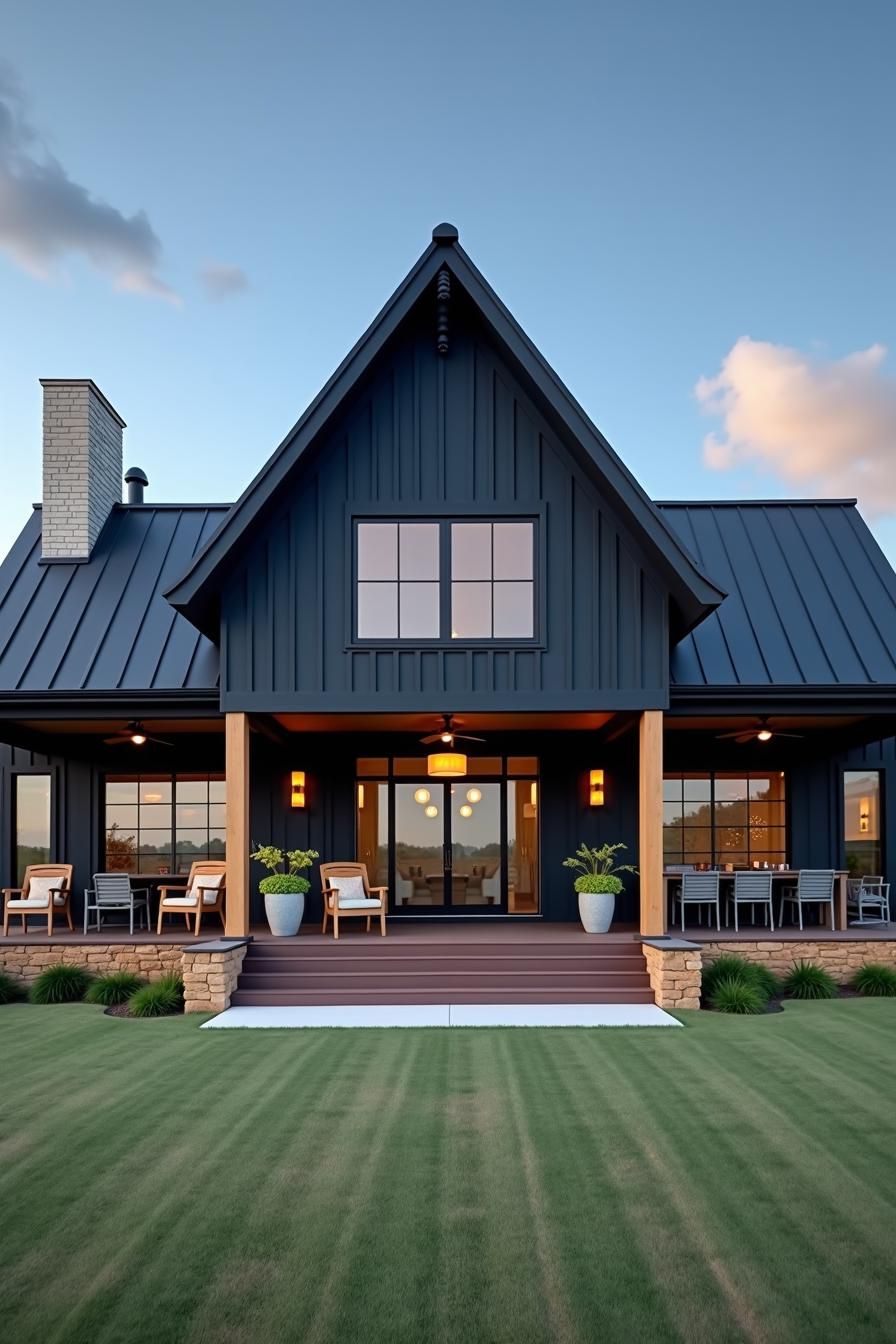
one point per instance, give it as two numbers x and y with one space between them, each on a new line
430 722
783 723
106 727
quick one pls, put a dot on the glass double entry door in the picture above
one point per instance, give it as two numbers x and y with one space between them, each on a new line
450 847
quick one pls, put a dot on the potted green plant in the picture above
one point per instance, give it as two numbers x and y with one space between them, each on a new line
598 886
284 891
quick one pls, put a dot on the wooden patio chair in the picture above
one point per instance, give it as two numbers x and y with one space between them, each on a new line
203 894
347 891
46 890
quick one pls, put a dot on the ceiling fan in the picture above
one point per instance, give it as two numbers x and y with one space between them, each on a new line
759 733
447 734
136 734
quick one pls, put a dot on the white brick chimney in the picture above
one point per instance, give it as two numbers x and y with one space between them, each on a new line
82 466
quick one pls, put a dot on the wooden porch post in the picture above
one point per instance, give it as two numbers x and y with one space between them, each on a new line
650 823
236 756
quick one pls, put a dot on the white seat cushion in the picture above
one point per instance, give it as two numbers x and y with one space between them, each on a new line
39 889
179 900
206 880
34 904
359 905
350 889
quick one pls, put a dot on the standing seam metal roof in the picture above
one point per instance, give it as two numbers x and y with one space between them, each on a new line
811 596
103 624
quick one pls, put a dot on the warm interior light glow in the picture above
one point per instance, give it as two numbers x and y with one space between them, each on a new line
447 739
360 797
447 765
431 811
466 810
138 739
533 794
473 796
596 788
864 814
297 788
421 795
764 735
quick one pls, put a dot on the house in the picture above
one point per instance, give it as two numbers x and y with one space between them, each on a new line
443 547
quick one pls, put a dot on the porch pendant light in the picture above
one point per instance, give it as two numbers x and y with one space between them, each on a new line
446 765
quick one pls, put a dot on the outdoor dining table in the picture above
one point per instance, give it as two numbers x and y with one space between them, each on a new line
781 877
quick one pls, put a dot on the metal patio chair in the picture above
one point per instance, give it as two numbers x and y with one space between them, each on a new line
869 893
751 887
814 886
700 889
113 891
46 891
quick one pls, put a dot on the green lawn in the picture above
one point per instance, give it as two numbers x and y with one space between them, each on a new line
732 1181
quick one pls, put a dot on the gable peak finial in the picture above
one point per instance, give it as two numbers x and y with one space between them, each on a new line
444 235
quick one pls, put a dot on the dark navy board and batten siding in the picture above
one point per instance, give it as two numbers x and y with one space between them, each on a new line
427 436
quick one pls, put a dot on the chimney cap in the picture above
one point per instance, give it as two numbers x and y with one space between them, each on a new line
88 383
136 474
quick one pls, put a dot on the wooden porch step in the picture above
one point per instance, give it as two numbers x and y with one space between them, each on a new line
348 997
437 962
445 981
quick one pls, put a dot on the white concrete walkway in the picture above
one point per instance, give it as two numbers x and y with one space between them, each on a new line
452 1015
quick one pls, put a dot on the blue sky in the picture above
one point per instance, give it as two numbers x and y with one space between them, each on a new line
645 185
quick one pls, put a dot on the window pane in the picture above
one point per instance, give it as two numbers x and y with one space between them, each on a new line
122 817
471 551
217 791
121 790
696 839
192 790
731 814
730 787
697 788
418 610
861 818
188 840
696 814
672 788
377 610
471 610
32 823
155 814
377 550
151 863
513 551
188 814
418 551
513 617
156 842
672 812
217 815
372 832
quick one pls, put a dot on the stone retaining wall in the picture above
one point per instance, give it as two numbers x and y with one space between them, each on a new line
841 959
210 976
25 961
675 973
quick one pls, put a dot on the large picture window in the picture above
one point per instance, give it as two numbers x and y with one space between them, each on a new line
861 821
448 580
725 819
162 823
31 821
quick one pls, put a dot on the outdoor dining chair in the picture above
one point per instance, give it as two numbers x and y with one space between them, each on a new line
700 889
814 886
46 891
113 891
751 887
869 893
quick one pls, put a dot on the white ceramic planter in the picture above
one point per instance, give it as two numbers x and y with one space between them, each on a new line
596 910
284 911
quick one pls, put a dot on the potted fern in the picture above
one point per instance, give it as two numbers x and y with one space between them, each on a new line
598 884
284 891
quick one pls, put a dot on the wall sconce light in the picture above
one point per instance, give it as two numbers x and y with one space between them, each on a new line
596 788
297 788
864 814
360 797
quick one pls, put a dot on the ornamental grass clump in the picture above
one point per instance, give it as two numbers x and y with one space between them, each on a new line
10 990
160 998
729 969
875 980
726 967
808 980
113 989
61 983
735 995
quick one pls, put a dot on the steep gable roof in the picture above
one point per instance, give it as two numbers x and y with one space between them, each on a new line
693 594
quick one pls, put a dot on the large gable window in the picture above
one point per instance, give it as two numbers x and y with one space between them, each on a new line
445 580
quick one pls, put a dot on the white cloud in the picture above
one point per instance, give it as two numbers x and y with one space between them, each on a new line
221 280
827 426
45 216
